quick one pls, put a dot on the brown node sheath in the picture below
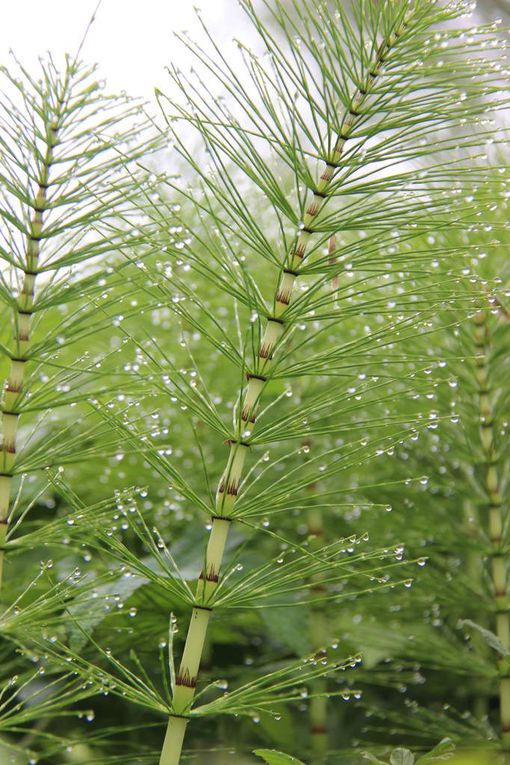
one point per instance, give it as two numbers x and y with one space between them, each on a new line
313 207
299 251
283 296
14 388
186 680
247 417
231 488
265 352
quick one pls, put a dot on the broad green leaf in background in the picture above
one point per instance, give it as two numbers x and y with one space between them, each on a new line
276 758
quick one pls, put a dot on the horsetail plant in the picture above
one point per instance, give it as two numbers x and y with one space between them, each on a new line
497 515
67 200
349 106
67 207
345 149
458 615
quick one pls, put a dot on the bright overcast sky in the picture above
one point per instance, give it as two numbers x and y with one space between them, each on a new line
130 39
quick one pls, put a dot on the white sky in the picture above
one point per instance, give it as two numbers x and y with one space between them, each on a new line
130 39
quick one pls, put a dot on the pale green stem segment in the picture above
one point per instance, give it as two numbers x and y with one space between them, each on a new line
499 566
232 475
174 739
13 389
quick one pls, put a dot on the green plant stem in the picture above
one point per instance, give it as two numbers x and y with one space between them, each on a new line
474 571
23 312
318 631
318 639
174 740
239 447
498 563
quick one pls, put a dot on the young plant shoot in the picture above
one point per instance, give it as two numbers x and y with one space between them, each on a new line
69 182
67 203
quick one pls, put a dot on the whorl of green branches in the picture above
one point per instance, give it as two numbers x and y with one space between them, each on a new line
68 201
342 108
69 185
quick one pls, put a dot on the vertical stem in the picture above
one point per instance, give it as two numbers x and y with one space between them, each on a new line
332 260
474 573
13 389
318 634
319 623
174 739
496 514
229 483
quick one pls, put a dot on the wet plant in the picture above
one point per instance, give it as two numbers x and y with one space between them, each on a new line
67 208
339 124
453 672
248 342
